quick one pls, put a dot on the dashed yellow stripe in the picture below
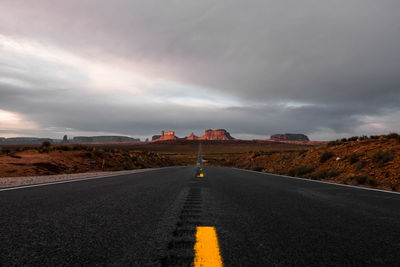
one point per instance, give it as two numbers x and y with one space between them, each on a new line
206 249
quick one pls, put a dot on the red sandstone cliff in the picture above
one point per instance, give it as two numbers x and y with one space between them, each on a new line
192 137
167 136
214 135
220 134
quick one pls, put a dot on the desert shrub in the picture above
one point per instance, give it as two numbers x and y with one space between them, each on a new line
381 157
364 179
360 165
355 180
255 155
45 147
302 151
99 153
65 148
353 138
257 168
300 170
79 147
326 155
88 154
374 137
354 157
323 174
395 186
393 136
46 144
268 153
335 143
127 166
364 137
332 143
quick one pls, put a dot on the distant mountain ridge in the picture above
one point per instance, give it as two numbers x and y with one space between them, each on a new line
77 139
104 139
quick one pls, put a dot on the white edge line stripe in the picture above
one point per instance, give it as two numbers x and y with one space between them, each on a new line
323 182
81 179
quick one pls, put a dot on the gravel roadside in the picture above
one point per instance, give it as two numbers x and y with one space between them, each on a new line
6 182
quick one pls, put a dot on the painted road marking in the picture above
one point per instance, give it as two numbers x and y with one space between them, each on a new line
317 181
206 249
82 179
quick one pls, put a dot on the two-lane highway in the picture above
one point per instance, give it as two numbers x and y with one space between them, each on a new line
149 219
124 220
265 220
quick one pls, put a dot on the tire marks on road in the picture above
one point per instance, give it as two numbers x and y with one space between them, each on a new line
180 248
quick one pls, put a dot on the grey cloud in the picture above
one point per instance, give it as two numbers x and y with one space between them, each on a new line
68 110
341 57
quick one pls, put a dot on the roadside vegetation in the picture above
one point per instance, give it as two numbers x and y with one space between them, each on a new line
372 161
48 159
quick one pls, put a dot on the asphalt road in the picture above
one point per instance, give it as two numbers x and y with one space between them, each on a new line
149 219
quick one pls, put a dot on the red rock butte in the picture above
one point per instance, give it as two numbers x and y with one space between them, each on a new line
220 134
215 135
170 135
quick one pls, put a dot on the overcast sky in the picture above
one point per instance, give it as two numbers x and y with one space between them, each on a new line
320 67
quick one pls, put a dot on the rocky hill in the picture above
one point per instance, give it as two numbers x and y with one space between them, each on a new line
66 159
372 162
290 137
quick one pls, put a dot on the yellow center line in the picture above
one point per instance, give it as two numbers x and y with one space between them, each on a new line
206 249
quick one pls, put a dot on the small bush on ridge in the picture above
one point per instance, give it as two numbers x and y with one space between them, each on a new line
301 170
323 174
354 157
326 155
381 157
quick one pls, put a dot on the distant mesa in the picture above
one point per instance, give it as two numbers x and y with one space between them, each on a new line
290 137
77 139
24 140
219 134
215 135
104 139
155 137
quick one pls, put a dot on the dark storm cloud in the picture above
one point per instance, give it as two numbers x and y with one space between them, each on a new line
295 65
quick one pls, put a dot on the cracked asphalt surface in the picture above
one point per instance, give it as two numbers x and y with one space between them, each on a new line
261 220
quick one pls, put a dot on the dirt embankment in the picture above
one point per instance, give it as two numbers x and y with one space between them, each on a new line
369 162
75 159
